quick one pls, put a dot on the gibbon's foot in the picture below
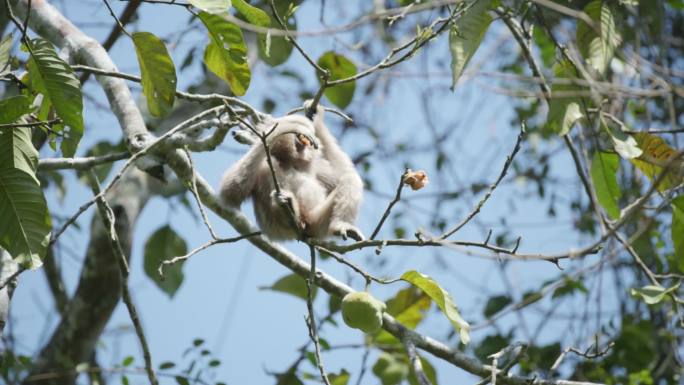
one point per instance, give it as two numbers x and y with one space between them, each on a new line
345 230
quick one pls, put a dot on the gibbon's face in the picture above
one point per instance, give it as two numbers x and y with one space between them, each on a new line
294 150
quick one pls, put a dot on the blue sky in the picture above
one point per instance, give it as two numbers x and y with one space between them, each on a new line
253 331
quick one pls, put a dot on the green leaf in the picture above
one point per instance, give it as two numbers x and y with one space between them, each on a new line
124 380
17 150
54 78
214 363
340 68
568 287
211 6
253 14
292 284
165 244
166 365
604 168
597 43
339 379
5 47
653 294
288 378
442 299
226 53
14 108
127 361
158 73
25 225
465 37
677 230
182 380
495 304
564 108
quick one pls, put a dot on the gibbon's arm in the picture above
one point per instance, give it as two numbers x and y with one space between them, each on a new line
342 204
240 180
331 149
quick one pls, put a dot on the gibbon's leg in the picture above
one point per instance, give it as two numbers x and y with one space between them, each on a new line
337 213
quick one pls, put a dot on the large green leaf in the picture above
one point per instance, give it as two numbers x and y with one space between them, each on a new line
226 53
54 78
292 284
14 108
25 225
442 299
211 6
604 167
339 67
162 245
5 47
564 108
17 151
158 73
465 37
677 230
597 43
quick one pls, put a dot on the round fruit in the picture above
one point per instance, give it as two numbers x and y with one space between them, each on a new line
361 311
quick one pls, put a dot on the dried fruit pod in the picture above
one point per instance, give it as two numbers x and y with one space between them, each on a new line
416 179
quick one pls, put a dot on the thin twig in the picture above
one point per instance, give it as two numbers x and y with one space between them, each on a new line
107 216
504 170
118 22
397 197
214 241
311 320
367 276
193 190
85 163
414 359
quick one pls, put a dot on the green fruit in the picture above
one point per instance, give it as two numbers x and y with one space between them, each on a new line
389 370
361 311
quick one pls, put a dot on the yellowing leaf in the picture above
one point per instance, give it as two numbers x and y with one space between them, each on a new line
442 299
656 154
226 53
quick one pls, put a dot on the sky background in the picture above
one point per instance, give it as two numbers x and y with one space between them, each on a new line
255 331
